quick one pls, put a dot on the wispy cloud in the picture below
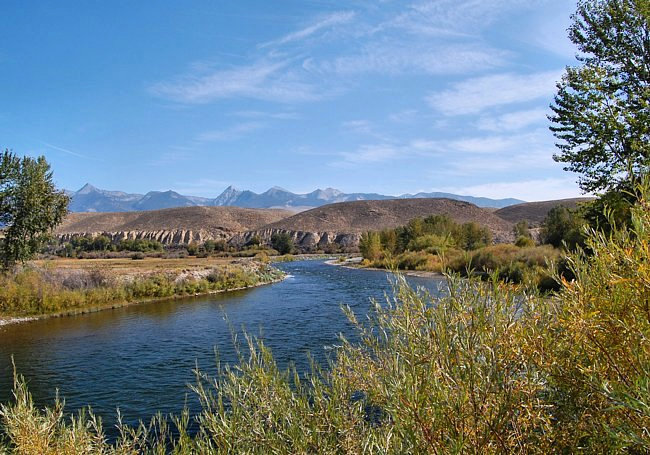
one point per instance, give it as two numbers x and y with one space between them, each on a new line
475 95
230 133
370 153
461 15
513 121
264 80
404 116
331 20
359 126
67 151
408 57
527 190
174 155
387 151
267 115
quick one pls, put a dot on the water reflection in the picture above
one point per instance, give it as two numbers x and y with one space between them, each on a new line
140 358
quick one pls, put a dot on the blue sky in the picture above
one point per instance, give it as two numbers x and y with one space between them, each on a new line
372 96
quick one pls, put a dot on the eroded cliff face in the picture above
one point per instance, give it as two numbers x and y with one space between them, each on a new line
166 237
305 241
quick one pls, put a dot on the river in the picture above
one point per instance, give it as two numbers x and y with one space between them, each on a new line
140 358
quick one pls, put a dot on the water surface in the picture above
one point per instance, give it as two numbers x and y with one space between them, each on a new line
140 358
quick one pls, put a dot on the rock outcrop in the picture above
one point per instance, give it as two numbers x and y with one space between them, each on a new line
304 240
166 237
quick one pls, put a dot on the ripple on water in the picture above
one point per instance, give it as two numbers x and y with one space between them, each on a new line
140 358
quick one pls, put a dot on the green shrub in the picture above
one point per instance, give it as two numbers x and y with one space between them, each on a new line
282 242
484 368
563 227
524 242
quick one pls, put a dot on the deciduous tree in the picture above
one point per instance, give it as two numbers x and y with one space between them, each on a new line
30 206
602 107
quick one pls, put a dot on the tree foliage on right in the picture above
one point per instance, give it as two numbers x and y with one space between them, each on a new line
602 107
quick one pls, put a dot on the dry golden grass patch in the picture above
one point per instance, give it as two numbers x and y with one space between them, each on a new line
130 266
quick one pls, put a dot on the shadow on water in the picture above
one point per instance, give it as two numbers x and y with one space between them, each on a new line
140 358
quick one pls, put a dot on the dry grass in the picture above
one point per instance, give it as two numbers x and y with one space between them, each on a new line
72 286
130 266
486 368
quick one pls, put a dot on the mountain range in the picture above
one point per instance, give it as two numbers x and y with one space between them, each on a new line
91 199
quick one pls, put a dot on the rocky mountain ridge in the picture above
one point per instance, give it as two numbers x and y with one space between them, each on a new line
91 199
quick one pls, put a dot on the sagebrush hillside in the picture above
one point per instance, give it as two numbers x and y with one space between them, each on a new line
535 212
226 219
361 216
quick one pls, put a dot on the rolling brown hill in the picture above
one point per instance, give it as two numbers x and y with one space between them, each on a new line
360 216
210 219
535 212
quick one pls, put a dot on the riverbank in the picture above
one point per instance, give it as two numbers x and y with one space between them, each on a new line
78 287
355 264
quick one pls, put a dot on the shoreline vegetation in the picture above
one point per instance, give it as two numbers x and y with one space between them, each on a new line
42 289
484 368
438 245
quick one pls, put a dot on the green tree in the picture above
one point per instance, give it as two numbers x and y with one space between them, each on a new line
602 107
370 245
472 236
101 243
563 227
30 206
522 229
282 243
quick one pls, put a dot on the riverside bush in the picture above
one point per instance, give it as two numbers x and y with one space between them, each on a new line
486 368
35 292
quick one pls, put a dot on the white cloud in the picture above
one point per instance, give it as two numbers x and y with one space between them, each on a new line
527 190
371 153
387 151
66 151
230 133
549 31
475 95
331 20
265 80
484 145
461 13
359 126
513 121
267 115
405 116
393 57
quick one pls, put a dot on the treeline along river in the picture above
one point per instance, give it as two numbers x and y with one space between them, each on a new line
140 358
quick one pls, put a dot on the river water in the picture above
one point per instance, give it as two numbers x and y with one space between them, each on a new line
140 358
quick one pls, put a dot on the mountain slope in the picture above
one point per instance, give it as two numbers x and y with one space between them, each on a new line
360 216
91 199
535 212
212 219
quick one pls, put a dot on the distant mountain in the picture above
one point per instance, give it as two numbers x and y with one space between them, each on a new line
155 200
480 201
91 199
